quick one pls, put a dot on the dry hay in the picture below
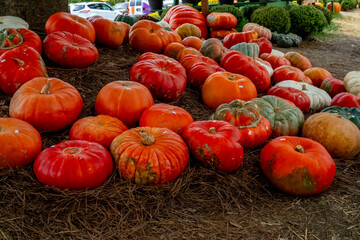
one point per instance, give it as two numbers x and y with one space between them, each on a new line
200 204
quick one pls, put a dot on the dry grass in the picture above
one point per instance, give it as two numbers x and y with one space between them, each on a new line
349 23
200 204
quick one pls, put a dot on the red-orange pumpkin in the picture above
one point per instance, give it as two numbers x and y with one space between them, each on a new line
193 42
63 21
297 166
337 7
18 66
224 87
109 33
296 96
101 129
298 60
124 100
221 34
317 75
274 60
154 56
333 86
49 104
165 115
239 37
215 144
188 61
70 50
20 143
147 155
178 51
221 20
200 71
286 72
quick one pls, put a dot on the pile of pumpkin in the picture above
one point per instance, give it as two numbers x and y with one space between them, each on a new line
229 74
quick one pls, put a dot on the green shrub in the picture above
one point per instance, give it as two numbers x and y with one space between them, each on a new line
326 13
307 19
277 19
291 5
347 5
247 10
233 10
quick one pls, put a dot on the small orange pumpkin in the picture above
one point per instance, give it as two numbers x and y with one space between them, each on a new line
193 42
188 29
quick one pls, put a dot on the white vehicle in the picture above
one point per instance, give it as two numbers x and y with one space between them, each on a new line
89 9
139 7
122 8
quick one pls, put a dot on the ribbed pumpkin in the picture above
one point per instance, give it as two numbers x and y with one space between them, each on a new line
215 144
249 49
352 114
286 72
346 99
285 119
275 61
253 127
221 34
298 60
200 72
214 49
234 38
221 20
148 155
188 61
301 100
262 31
297 166
338 135
317 75
193 42
131 20
177 51
188 29
333 86
352 82
165 115
20 143
224 87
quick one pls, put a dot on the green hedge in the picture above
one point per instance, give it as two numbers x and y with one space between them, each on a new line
277 19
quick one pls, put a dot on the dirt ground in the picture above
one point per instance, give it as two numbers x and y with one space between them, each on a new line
200 204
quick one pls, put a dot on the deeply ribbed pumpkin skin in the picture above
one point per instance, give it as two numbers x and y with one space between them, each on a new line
339 136
187 30
144 163
217 20
297 166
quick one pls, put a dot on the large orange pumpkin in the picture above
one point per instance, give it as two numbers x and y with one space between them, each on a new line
221 20
147 36
147 155
109 33
63 21
165 115
224 87
49 104
101 129
20 143
124 100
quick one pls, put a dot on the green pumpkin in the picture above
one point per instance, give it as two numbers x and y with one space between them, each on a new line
352 114
126 19
288 40
274 36
249 49
285 120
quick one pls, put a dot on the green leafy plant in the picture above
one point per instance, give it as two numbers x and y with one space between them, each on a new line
307 19
233 10
277 19
347 5
247 10
326 13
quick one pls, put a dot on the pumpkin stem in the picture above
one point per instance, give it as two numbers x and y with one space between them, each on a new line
299 149
71 150
18 61
303 87
2 129
46 88
231 77
146 138
212 130
276 109
126 84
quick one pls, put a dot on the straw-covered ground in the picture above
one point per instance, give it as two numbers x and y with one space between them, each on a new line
200 204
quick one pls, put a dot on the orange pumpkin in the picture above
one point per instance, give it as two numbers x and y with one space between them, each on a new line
49 104
193 42
63 21
101 129
221 20
298 60
317 75
221 34
178 51
20 142
124 100
337 7
189 61
224 87
147 155
165 115
109 33
262 31
239 37
188 29
156 37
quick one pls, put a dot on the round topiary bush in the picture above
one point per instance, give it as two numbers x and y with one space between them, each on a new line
277 19
307 19
247 10
347 5
229 9
326 13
